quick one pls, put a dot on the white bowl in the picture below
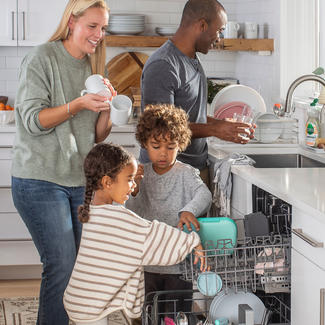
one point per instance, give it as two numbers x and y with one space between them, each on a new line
7 117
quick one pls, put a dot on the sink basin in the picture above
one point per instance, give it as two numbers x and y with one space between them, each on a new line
285 161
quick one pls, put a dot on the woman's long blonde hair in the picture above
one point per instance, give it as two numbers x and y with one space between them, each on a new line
77 8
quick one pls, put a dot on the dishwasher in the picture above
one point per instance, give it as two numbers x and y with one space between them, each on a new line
256 266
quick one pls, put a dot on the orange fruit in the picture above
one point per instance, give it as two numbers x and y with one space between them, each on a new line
2 106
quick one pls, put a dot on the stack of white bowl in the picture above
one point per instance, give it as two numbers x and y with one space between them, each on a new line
268 128
126 24
166 30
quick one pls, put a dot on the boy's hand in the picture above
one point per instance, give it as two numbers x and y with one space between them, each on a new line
188 218
200 256
138 177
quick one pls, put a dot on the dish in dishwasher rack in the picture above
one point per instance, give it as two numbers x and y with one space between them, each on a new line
226 305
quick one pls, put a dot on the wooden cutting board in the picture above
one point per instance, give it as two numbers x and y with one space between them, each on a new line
124 71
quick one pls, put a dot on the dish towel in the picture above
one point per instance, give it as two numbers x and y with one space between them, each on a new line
222 183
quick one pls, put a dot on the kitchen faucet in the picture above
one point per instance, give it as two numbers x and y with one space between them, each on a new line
298 81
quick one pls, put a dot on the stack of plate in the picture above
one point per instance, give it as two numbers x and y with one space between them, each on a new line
167 30
127 24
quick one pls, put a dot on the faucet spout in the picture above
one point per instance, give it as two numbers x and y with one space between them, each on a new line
308 77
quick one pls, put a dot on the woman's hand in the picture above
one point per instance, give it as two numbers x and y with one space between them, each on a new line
200 256
188 218
93 102
111 88
137 178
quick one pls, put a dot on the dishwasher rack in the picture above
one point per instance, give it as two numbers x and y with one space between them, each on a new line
152 314
260 263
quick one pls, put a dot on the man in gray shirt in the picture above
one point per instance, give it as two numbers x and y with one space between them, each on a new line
173 74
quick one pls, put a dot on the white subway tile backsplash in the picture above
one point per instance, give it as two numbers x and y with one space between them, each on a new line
2 62
12 86
9 74
13 62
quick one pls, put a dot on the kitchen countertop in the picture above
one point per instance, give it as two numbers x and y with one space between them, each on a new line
303 188
11 128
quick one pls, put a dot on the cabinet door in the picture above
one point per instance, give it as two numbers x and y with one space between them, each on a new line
307 280
8 18
38 20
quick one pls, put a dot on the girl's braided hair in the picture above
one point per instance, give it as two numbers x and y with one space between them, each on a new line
105 159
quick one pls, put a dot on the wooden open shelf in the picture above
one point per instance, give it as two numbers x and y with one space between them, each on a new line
238 44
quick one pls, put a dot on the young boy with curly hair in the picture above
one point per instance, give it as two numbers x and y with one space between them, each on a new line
167 189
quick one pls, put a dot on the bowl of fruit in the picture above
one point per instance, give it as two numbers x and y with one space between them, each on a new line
7 114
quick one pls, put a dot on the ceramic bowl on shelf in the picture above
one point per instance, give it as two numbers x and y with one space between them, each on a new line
7 117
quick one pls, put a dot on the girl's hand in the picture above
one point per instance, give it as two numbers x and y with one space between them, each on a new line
94 102
188 218
200 256
137 178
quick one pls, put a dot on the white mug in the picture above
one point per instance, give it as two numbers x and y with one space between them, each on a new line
121 107
95 85
250 30
231 30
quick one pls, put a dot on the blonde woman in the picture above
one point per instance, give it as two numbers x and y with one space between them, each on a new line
56 128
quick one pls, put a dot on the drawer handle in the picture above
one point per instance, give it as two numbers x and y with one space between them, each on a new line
322 306
128 145
298 232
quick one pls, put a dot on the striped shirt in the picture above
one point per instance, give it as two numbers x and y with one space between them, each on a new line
108 273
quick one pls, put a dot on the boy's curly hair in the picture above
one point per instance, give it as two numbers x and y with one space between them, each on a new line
164 120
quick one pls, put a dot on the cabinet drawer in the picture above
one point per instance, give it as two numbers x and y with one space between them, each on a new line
12 227
6 203
315 230
5 173
7 139
18 253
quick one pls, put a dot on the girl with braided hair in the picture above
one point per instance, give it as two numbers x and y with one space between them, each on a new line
116 243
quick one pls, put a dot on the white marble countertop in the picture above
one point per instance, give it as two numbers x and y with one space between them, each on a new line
303 188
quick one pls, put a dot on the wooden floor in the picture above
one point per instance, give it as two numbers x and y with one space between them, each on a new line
19 288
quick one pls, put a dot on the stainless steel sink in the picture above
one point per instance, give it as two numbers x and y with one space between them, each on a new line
285 161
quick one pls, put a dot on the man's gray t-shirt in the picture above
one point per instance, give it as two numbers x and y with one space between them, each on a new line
170 76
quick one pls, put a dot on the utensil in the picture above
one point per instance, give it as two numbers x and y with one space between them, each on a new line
124 71
219 233
209 283
229 109
226 305
95 85
239 93
121 107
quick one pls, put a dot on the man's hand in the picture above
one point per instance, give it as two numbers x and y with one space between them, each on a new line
233 131
188 218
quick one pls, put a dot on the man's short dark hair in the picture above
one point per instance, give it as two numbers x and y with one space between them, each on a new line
197 9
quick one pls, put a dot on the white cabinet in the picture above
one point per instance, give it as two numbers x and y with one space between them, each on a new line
307 280
29 22
308 268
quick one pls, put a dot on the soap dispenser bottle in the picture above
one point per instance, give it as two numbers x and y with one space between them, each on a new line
312 125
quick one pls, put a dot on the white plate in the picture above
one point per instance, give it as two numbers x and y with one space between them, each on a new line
239 93
226 305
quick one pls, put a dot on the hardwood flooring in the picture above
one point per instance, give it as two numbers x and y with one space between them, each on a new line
19 288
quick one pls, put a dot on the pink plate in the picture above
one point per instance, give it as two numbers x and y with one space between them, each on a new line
228 110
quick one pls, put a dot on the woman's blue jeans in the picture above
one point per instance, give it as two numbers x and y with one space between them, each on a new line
50 214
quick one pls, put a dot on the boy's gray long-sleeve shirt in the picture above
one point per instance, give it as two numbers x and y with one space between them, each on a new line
164 197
